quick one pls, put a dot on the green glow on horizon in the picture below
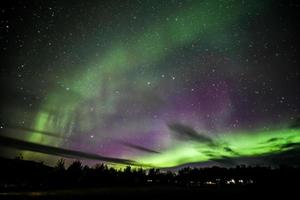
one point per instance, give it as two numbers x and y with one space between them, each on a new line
243 144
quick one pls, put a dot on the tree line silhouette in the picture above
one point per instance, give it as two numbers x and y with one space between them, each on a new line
18 174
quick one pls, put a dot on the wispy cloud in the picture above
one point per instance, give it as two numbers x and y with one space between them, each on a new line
188 133
30 146
26 129
138 147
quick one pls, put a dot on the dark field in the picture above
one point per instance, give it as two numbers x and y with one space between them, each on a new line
21 179
154 192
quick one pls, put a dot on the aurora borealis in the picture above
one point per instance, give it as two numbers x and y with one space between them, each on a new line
159 83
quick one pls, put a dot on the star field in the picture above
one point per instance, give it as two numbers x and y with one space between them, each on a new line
162 83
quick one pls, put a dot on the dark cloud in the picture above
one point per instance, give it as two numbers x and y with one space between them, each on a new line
272 140
229 150
25 129
222 159
225 161
138 147
186 132
30 146
292 145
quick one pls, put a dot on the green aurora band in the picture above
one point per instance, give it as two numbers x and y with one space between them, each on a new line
65 110
242 144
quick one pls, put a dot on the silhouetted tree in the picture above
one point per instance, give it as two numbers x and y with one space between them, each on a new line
20 174
74 173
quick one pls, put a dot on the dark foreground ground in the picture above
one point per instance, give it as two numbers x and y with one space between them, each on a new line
156 192
21 179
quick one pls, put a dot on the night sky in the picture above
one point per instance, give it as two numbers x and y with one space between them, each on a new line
152 83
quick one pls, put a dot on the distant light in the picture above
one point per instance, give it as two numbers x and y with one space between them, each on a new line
210 183
67 88
232 181
92 136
